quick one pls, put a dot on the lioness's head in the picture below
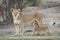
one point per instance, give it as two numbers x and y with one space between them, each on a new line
15 11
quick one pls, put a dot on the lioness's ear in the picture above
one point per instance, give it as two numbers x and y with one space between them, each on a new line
19 10
11 9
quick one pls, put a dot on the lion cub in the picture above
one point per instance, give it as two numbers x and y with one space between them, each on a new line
40 28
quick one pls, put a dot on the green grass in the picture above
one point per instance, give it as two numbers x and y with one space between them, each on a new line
29 37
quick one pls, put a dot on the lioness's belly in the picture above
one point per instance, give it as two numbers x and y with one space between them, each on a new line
27 19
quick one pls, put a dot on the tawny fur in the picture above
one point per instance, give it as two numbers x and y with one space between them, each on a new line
24 18
40 28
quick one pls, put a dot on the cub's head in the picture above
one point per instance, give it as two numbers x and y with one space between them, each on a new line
35 21
15 11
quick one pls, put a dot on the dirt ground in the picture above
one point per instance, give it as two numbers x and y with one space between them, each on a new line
9 29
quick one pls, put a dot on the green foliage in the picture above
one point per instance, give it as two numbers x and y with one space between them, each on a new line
32 2
38 2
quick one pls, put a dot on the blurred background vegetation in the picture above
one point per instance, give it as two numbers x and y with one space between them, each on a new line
6 5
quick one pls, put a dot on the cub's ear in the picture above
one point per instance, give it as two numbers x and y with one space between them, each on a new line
11 9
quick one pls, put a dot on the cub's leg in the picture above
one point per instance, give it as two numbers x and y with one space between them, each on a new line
48 32
33 31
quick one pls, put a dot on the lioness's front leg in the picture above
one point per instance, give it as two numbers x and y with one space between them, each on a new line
16 29
22 29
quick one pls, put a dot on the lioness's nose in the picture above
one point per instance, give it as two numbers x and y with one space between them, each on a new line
15 14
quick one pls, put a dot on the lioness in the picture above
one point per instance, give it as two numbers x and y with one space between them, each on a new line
21 18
